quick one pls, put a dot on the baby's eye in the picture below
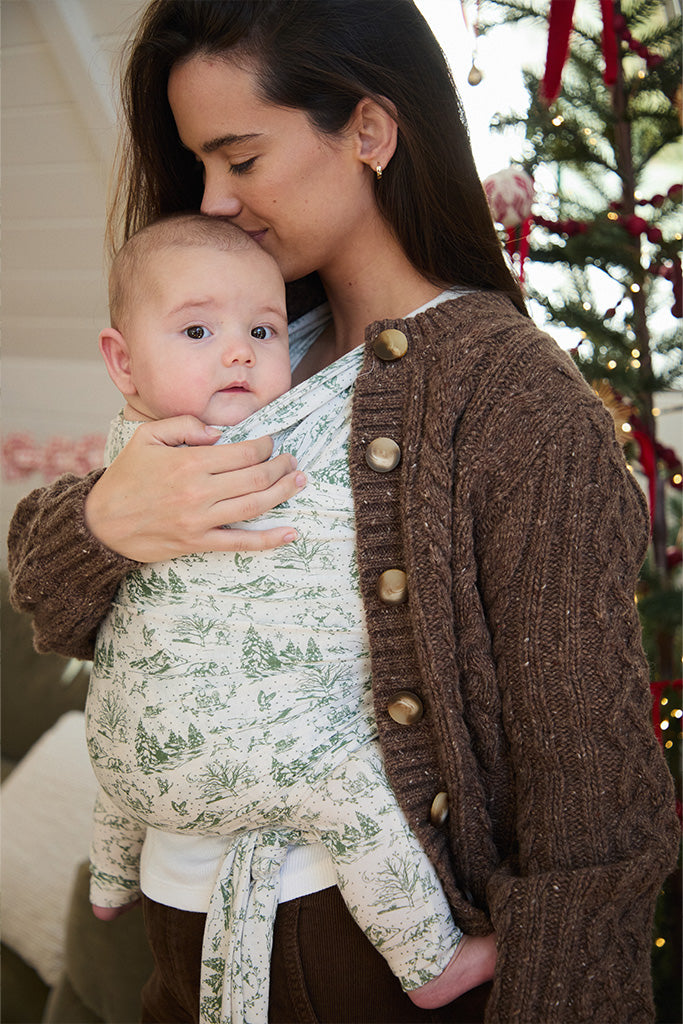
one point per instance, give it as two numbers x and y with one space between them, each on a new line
262 333
196 332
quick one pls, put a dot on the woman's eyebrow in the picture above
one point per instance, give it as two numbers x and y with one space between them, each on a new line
226 140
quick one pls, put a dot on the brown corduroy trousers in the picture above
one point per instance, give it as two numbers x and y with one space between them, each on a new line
323 969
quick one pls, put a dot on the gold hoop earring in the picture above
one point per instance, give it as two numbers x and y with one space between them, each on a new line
378 171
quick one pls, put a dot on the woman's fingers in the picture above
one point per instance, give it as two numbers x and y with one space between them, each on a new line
157 501
252 480
187 431
203 504
249 540
177 431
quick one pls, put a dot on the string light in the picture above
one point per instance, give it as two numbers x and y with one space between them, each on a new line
626 427
656 411
677 479
635 287
669 744
635 363
635 352
664 701
664 724
612 215
612 365
557 121
677 713
660 942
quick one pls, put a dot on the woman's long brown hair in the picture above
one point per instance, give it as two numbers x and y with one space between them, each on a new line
322 57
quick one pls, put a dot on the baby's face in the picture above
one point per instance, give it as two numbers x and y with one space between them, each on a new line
210 336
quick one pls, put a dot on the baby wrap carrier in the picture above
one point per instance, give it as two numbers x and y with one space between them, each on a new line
231 697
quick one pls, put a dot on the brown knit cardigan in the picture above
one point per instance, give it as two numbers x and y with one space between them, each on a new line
521 533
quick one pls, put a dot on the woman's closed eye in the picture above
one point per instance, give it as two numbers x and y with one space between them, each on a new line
196 332
244 166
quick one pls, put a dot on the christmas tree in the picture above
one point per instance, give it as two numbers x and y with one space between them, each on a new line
592 219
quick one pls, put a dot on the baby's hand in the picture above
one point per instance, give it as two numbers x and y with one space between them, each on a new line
110 913
472 964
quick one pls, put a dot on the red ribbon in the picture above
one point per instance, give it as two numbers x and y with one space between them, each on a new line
648 460
518 244
650 452
559 30
609 42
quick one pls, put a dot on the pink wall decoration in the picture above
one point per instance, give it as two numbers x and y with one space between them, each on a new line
23 456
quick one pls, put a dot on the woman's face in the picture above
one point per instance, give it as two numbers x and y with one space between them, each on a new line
304 196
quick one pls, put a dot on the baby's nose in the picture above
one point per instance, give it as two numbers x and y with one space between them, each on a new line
238 351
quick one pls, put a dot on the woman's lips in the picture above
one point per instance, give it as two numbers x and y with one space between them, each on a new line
259 235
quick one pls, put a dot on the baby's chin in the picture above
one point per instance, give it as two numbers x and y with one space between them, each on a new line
234 411
229 410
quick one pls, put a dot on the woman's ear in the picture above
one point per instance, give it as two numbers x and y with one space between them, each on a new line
377 133
117 360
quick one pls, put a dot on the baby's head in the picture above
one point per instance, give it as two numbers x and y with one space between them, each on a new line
198 322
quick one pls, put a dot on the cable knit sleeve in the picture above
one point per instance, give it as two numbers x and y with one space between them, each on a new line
559 549
522 534
60 573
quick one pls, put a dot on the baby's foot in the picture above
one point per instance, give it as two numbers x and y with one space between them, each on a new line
472 964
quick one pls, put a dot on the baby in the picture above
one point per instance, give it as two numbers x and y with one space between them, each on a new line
199 323
230 714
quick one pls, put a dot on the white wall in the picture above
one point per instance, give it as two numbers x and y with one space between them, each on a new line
59 62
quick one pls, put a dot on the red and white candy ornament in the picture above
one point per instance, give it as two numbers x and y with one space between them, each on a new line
510 194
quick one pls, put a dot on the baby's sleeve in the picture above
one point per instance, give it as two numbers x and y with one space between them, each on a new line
114 855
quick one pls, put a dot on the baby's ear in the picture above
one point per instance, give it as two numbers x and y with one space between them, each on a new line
117 359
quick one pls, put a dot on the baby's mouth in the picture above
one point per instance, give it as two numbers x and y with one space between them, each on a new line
237 388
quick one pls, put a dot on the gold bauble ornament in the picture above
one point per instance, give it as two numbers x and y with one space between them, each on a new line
475 76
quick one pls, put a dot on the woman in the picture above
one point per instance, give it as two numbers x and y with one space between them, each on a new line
511 692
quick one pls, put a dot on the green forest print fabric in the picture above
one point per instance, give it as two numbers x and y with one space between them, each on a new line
231 696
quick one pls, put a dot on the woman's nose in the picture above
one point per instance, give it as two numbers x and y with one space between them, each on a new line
219 199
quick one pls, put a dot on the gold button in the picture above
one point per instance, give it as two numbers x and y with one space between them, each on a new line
390 344
392 586
382 455
439 809
405 708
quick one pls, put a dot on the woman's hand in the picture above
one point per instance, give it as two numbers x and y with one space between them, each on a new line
157 501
